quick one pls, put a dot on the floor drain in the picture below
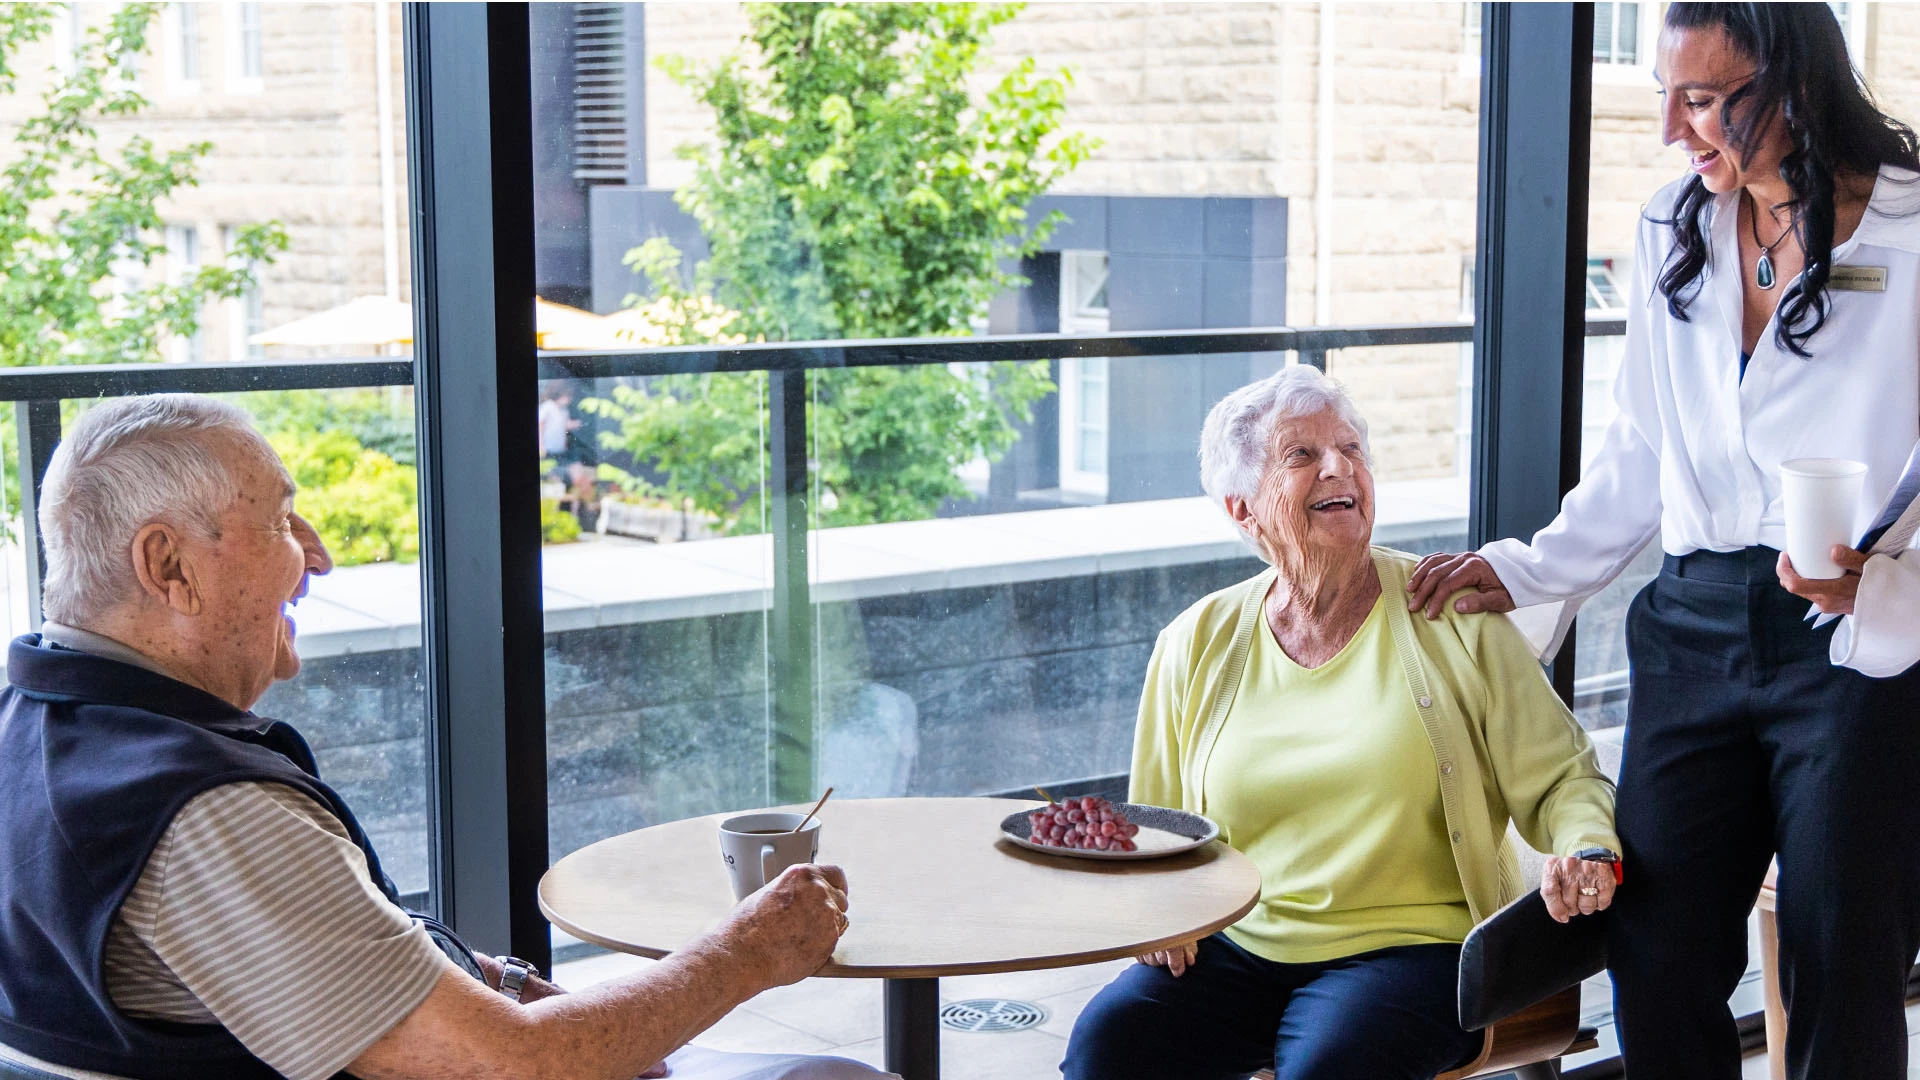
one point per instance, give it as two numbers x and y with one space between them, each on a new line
992 1014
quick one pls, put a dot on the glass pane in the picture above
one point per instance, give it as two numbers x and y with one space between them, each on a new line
1626 35
991 548
1603 50
241 241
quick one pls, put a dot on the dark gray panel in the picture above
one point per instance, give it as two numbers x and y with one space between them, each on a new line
1155 293
1156 225
623 219
1246 227
1085 227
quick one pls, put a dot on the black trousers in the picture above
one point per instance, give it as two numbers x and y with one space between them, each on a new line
1744 741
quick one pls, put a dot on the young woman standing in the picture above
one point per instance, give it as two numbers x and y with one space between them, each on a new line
1773 316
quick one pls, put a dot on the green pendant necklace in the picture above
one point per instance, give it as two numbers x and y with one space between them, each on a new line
1763 275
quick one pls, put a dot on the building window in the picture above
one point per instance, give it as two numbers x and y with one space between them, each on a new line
1616 34
243 48
183 261
1604 285
246 314
1853 26
1083 380
181 32
68 34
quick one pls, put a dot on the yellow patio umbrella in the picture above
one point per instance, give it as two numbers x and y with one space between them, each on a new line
378 321
558 326
375 321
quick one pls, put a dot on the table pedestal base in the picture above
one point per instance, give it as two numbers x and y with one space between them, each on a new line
913 1028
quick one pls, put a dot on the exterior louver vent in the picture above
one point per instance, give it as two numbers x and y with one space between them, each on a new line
600 93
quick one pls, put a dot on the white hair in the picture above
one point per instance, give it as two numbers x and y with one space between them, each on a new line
1238 434
126 464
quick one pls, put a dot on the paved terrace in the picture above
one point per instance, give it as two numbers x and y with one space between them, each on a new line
615 582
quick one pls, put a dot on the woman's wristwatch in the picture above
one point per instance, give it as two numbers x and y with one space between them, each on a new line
1605 855
514 973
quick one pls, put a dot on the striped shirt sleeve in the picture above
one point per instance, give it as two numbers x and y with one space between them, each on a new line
255 911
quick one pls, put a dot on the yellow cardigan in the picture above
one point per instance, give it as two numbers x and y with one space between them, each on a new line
1507 747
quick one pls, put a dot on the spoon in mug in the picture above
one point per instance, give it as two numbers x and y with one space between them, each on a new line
815 810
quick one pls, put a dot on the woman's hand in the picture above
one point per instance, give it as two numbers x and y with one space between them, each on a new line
1832 595
1176 960
1440 575
1566 881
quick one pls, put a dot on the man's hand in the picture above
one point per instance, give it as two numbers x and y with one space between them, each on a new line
1440 575
1176 960
789 928
1566 883
1834 596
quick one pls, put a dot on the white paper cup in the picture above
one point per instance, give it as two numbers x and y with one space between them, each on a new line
756 847
1821 496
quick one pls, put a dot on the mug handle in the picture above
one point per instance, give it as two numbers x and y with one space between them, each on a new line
767 872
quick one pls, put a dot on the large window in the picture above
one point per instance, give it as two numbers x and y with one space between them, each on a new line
255 239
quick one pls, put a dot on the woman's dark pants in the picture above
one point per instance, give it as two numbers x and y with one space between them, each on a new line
1743 740
1385 1015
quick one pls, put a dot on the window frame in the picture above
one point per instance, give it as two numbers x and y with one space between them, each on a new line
245 46
180 37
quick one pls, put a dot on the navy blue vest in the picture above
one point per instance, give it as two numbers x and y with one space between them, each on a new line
96 757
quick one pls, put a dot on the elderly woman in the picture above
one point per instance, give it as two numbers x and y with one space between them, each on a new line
1368 762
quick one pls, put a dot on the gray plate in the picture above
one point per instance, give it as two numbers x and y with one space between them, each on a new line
1164 832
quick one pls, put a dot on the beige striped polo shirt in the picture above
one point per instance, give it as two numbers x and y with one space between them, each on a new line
255 912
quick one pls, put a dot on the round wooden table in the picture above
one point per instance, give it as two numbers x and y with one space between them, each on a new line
933 890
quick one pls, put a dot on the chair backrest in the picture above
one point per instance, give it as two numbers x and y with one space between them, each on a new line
1521 956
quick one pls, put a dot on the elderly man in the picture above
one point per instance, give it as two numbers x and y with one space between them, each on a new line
181 895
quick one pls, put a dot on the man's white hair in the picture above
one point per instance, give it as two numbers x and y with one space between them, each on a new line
1238 434
126 464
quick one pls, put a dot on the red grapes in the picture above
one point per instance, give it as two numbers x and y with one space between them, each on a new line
1089 823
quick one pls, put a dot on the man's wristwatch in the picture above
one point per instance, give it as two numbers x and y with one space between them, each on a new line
514 973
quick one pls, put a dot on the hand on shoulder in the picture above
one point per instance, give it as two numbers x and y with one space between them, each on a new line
1442 574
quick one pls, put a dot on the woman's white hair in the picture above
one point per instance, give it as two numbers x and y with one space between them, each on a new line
126 464
1238 434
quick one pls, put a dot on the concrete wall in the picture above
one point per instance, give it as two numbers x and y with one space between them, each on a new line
930 693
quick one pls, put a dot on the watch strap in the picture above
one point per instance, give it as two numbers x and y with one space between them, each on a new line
514 973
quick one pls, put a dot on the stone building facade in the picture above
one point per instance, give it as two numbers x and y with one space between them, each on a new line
290 96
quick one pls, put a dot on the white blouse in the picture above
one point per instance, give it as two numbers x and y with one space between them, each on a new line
1694 454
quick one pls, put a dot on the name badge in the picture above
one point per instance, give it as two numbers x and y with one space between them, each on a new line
1858 279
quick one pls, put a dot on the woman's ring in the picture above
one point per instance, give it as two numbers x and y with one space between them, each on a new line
1589 892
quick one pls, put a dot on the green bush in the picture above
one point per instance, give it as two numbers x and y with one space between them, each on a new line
362 502
556 525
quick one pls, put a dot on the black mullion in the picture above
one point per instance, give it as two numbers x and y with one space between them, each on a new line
469 110
1536 108
37 427
790 630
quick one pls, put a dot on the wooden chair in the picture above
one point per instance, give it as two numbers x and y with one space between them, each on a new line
1529 1043
1770 975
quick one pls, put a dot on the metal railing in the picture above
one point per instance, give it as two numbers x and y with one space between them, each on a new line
38 392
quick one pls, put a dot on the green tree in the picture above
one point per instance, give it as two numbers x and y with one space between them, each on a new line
74 211
857 187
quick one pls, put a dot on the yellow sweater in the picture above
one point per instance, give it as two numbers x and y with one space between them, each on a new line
1503 745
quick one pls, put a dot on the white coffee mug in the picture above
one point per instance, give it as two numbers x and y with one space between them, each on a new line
756 847
1822 496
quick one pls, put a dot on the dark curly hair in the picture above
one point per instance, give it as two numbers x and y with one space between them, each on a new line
1801 71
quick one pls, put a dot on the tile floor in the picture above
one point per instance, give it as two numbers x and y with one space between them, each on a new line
842 1016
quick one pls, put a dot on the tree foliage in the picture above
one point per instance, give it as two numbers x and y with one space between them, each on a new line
75 215
857 186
